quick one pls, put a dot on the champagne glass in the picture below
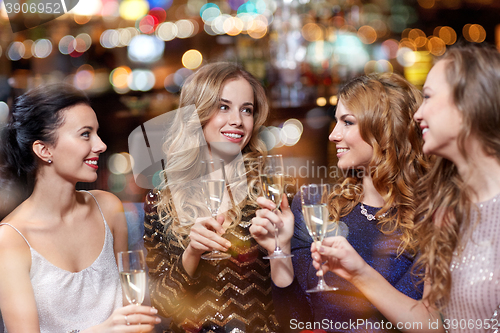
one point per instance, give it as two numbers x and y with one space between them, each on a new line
272 179
132 268
314 208
213 182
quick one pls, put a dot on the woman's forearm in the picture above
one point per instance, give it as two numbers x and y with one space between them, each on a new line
190 261
282 272
405 313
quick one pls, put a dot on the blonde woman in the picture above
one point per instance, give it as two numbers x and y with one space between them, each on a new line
200 295
458 212
379 152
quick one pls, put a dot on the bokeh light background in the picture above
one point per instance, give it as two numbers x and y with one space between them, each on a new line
133 56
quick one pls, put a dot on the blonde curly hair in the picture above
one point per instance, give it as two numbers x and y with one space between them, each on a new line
203 90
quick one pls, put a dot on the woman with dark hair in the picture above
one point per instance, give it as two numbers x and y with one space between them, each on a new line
458 212
58 247
233 295
380 155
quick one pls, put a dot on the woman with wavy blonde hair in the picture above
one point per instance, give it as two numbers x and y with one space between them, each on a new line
380 156
222 108
457 229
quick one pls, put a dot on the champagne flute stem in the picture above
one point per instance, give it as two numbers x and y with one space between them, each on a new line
214 216
321 281
321 285
276 238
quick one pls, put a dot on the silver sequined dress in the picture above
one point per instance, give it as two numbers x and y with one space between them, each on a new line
475 289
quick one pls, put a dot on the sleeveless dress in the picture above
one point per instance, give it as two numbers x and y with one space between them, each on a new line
69 302
475 273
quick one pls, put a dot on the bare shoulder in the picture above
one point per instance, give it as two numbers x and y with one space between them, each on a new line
110 204
111 207
108 201
14 249
17 300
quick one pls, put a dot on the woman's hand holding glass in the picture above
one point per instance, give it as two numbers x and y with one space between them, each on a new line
338 256
267 219
272 181
131 318
213 181
206 235
314 198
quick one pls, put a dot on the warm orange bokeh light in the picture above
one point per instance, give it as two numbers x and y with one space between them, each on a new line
367 34
119 77
427 4
474 33
312 32
448 35
415 33
436 46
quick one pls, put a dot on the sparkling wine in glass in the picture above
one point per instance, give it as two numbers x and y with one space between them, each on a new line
132 268
213 182
316 217
272 180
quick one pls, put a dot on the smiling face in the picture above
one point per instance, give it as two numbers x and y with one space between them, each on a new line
439 118
77 149
233 121
352 150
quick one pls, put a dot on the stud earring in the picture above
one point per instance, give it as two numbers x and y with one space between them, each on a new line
49 161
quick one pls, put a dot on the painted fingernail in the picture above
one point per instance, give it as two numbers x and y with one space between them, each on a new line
321 249
158 320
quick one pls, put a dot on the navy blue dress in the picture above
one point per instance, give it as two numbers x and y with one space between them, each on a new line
345 310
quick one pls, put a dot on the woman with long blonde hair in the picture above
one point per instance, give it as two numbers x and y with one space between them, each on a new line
458 213
222 108
380 156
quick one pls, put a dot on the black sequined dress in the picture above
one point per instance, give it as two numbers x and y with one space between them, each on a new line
233 295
